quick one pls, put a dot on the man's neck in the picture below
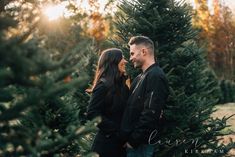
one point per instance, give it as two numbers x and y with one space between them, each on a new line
147 65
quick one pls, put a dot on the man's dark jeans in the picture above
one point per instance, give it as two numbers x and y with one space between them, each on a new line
141 151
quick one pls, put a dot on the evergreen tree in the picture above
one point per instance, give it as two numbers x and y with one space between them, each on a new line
228 91
38 116
89 29
189 129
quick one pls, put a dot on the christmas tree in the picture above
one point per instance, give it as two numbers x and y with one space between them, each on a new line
38 113
189 129
228 91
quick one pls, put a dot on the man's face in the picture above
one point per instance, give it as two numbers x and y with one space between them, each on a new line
136 56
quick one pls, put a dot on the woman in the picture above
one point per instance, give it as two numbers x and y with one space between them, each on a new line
108 100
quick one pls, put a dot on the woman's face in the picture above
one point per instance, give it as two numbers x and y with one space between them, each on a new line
122 66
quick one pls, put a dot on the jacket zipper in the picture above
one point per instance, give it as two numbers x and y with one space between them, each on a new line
151 96
140 80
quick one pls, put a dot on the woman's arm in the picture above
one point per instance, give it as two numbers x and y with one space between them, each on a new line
96 108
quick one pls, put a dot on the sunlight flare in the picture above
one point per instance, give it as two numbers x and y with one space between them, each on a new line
56 11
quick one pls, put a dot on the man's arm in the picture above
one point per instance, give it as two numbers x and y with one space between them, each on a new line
154 101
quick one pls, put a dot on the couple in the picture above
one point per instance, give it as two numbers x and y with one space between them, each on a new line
128 115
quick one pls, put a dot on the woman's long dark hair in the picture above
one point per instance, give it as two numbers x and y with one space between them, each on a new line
107 67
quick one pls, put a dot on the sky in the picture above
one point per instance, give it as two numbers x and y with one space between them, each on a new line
54 12
230 3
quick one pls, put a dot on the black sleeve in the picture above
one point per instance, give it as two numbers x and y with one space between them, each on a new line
96 108
154 100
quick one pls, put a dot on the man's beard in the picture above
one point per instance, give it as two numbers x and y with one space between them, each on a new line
137 64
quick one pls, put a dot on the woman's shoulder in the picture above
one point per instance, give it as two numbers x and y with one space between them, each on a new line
101 85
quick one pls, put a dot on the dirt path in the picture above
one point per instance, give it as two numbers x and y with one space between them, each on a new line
227 110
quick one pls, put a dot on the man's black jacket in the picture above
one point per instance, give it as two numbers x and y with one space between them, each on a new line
149 92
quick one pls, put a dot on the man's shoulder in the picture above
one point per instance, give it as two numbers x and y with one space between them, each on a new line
156 71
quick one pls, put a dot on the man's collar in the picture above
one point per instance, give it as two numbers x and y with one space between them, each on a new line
150 67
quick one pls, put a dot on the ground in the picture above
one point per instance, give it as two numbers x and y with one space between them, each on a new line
227 110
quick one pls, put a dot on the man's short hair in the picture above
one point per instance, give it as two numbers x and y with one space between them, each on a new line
142 40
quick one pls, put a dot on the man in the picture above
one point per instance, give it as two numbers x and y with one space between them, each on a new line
149 92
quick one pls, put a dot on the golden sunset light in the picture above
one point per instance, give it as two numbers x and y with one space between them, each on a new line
55 12
117 78
99 5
